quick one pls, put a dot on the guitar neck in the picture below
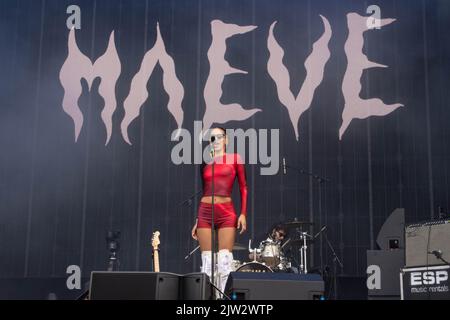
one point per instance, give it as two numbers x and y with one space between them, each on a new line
156 260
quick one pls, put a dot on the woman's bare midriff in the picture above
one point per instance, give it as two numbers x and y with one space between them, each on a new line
217 199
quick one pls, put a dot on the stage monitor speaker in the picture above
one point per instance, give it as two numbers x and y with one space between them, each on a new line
424 238
274 286
392 233
389 264
122 285
195 286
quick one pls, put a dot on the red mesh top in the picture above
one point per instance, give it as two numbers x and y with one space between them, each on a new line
226 168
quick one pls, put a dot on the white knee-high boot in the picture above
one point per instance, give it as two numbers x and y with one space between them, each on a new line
224 267
206 263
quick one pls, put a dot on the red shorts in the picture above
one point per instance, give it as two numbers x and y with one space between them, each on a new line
224 215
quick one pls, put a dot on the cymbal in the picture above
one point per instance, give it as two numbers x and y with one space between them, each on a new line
297 224
298 242
238 247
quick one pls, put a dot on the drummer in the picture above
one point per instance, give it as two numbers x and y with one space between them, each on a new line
277 234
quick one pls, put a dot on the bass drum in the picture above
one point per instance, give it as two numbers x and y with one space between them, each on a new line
254 267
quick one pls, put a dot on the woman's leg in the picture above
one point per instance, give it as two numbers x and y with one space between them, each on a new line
226 238
225 255
204 239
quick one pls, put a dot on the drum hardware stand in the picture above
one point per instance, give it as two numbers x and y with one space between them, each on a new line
299 231
303 251
320 180
302 235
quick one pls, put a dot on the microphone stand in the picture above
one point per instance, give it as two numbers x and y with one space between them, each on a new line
191 253
445 261
320 180
188 201
438 255
335 259
213 238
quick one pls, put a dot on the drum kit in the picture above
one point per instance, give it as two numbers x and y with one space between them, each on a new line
272 256
275 256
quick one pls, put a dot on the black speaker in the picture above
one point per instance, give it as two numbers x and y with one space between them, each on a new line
119 285
195 286
274 286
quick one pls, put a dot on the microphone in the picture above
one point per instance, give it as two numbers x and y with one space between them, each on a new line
211 151
284 166
321 230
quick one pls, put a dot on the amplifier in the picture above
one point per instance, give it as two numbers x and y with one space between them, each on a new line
422 239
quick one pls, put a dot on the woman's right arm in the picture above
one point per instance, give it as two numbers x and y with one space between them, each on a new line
194 230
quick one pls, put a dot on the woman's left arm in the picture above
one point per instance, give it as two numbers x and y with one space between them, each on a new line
242 179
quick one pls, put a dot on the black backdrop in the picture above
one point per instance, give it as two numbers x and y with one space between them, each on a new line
58 197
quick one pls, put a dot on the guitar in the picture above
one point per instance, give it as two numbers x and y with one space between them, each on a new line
155 244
